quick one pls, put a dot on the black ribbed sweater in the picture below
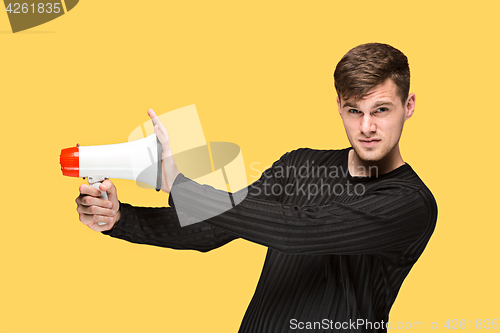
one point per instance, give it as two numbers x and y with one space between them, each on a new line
339 246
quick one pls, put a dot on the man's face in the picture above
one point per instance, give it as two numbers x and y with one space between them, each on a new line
374 123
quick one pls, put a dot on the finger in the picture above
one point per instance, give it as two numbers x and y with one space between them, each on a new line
86 219
90 219
95 210
96 227
108 186
89 190
151 113
157 122
162 129
161 135
153 117
87 200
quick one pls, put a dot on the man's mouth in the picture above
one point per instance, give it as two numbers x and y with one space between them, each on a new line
369 142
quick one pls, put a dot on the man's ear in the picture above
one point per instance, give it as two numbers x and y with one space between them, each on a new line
410 106
338 105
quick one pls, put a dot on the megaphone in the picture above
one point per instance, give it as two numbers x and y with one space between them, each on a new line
138 160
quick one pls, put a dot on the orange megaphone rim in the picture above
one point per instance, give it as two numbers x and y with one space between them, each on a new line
70 161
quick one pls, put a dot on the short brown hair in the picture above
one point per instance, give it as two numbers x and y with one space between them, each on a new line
368 65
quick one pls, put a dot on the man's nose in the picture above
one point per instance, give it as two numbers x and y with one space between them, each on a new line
367 125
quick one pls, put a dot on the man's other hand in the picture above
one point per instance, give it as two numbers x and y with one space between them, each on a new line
170 170
92 209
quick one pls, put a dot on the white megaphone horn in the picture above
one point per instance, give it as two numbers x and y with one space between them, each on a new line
138 160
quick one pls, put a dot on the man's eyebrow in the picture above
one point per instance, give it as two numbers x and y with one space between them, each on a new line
378 103
348 104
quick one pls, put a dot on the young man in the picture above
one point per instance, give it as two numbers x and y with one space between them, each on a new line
343 227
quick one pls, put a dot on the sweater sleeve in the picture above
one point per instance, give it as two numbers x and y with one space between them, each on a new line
391 220
161 227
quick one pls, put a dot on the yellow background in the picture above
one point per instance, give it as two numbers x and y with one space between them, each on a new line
260 74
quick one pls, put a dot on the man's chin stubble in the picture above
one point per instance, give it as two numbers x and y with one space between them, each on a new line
370 157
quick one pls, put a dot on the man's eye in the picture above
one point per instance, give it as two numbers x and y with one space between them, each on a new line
382 109
353 111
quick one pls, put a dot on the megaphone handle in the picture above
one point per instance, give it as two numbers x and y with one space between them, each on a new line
104 196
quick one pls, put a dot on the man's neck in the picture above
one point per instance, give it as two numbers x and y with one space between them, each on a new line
361 168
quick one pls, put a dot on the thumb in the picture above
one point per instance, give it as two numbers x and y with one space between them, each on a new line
110 189
108 186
